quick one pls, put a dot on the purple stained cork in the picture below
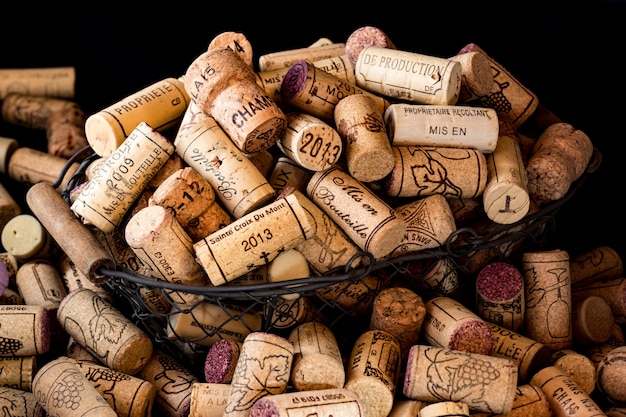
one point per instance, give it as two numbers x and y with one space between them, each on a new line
363 37
221 360
264 409
294 80
4 277
500 295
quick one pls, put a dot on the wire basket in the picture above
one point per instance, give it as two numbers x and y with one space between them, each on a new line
341 298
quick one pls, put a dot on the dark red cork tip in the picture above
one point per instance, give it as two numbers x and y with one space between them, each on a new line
294 80
220 362
499 281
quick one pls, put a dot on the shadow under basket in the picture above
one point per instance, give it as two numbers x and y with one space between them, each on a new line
341 298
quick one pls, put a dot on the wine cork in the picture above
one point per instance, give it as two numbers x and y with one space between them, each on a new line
172 165
65 131
429 223
18 371
360 124
363 37
597 352
476 76
237 182
20 402
208 399
285 59
286 312
264 161
506 198
613 291
29 111
191 200
47 81
595 264
63 390
450 324
576 366
592 321
615 411
373 369
236 42
78 352
110 194
221 360
161 242
287 173
11 297
548 298
160 105
173 383
408 76
445 409
11 265
31 166
560 156
400 312
120 345
317 363
420 171
508 95
310 142
407 408
9 208
442 278
316 92
74 239
26 238
24 330
206 323
7 147
564 395
610 376
73 279
530 400
329 402
367 220
355 296
489 383
259 349
242 108
442 125
500 295
286 266
253 240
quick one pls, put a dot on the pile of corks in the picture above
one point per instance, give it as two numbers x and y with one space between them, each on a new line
542 336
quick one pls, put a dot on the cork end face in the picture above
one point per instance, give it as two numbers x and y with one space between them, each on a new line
220 362
264 408
294 81
473 337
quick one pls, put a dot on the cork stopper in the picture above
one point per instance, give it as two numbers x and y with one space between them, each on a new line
220 361
611 373
363 37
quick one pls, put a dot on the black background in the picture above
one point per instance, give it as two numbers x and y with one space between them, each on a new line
570 56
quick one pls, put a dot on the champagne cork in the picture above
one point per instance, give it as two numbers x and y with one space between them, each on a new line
373 370
560 156
208 399
528 354
592 321
485 383
363 37
31 166
128 395
173 384
500 295
73 279
26 238
224 87
597 352
613 291
206 323
439 125
420 171
548 297
161 242
24 330
160 105
7 147
47 81
221 360
236 42
20 402
445 409
18 371
74 239
429 223
578 367
316 92
506 199
264 354
63 390
327 402
598 263
611 373
400 312
450 324
508 95
237 182
317 363
371 223
310 142
110 194
530 400
253 240
566 398
94 323
285 59
368 151
287 173
29 111
191 200
408 76
476 76
356 296
65 131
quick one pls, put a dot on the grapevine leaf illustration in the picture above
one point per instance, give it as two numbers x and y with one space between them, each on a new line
106 323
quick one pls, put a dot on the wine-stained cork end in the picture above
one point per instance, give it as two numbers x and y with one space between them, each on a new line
294 81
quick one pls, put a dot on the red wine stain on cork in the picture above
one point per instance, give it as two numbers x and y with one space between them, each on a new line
499 281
